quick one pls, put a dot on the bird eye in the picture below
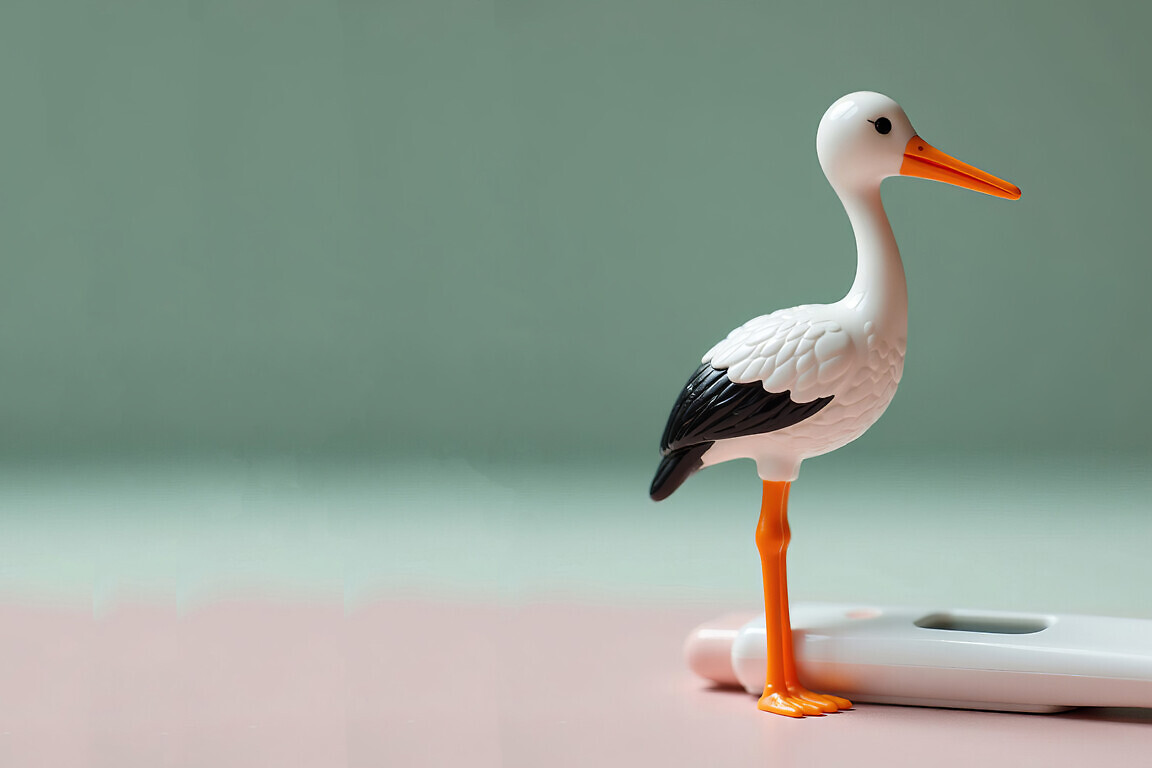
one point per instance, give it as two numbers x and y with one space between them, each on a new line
882 124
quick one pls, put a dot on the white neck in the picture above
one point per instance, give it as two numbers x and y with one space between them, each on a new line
880 290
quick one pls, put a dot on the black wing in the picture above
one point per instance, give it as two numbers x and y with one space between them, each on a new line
712 407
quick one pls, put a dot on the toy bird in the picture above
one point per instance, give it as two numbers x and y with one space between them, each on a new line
804 381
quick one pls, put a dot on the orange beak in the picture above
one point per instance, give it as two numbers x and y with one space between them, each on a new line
924 160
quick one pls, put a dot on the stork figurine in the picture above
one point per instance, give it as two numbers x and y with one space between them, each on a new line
804 381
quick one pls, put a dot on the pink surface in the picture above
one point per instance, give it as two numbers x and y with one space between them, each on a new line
410 683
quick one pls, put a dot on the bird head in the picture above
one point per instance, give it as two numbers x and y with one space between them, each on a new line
865 137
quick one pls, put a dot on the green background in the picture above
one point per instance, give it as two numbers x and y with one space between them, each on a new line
396 296
383 304
501 230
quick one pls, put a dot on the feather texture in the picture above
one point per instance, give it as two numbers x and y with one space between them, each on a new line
797 350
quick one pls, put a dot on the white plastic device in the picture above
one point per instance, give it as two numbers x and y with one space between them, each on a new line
995 660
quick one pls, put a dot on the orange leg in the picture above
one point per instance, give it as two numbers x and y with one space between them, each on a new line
823 701
783 693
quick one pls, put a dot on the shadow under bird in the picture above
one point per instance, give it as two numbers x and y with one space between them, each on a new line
804 381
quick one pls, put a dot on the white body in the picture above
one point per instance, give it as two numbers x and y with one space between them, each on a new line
1016 662
811 351
852 350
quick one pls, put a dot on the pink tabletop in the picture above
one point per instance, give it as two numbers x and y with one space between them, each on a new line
425 683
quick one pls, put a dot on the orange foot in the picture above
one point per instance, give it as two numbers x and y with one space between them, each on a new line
787 704
822 701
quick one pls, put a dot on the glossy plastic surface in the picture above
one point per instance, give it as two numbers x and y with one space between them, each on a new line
923 160
782 692
963 659
850 352
846 358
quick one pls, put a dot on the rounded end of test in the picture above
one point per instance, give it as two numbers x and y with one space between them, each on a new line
708 649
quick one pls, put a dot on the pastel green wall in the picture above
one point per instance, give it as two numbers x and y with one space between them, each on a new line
508 229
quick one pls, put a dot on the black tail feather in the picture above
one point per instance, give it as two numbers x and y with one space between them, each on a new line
675 468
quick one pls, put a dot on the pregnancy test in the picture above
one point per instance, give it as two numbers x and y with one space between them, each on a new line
994 660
